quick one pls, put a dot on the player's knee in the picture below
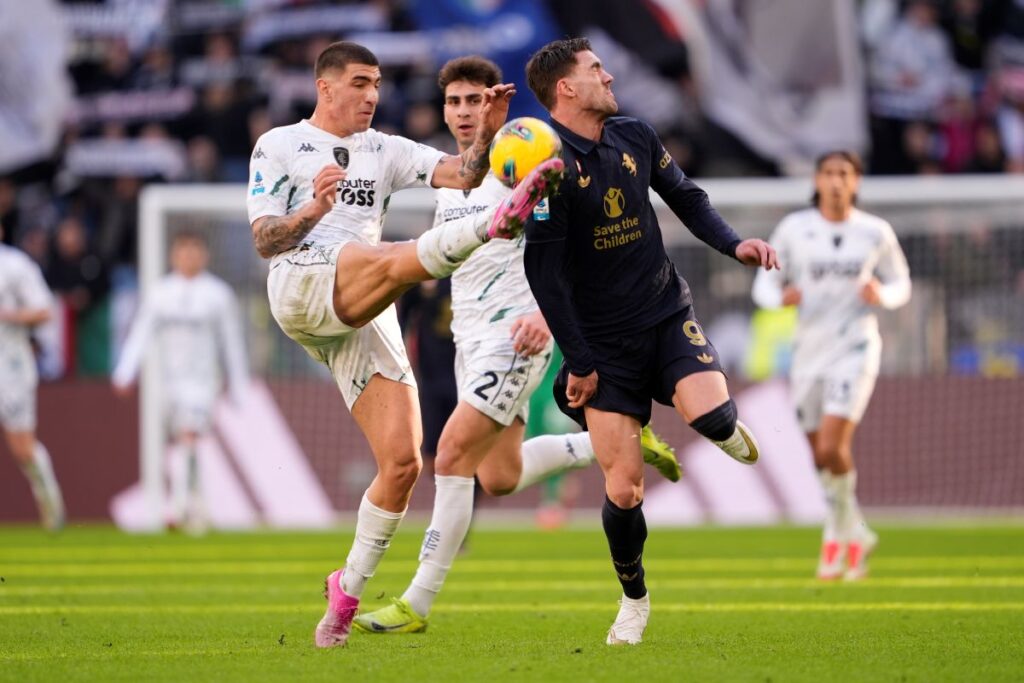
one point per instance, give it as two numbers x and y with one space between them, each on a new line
830 452
401 473
718 424
625 492
497 485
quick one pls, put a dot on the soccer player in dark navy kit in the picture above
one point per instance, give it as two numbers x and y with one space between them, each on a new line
620 312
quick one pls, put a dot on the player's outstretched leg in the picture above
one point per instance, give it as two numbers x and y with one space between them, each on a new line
513 212
721 427
369 278
659 455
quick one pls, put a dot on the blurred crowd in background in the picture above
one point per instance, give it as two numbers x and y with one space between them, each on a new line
99 98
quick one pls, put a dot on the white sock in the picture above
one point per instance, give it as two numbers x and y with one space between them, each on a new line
831 529
546 455
46 491
443 248
851 521
449 524
374 529
178 480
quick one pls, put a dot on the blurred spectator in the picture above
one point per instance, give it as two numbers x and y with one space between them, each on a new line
34 86
911 74
79 277
988 152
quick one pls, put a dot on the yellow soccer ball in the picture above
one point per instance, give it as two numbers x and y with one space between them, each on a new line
520 146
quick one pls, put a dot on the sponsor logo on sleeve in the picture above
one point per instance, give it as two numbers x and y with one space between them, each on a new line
257 184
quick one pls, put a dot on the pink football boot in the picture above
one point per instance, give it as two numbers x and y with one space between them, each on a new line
512 212
332 631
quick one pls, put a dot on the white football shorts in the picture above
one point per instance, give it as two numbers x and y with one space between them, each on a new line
496 380
844 390
18 381
301 291
189 407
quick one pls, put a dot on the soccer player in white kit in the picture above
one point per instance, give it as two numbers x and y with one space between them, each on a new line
317 196
25 302
193 317
503 348
838 264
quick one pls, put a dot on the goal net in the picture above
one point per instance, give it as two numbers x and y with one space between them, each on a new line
944 428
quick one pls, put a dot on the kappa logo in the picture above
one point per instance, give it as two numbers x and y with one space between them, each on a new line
306 147
259 154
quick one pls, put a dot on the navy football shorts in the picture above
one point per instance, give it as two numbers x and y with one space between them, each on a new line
638 367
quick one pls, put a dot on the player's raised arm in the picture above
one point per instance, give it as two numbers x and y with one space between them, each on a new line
273 234
690 203
467 170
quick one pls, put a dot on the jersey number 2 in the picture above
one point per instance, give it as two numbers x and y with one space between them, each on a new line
492 379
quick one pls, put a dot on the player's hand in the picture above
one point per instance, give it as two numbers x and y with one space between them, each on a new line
871 292
530 334
325 187
494 110
754 252
580 390
791 296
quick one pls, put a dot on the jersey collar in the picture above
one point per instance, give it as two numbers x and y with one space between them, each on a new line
580 143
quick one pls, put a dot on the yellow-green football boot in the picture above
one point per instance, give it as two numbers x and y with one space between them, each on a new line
398 617
659 454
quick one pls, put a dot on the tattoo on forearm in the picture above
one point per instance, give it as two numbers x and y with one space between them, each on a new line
474 162
280 233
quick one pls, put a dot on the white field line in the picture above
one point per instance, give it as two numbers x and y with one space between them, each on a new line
522 586
546 608
755 566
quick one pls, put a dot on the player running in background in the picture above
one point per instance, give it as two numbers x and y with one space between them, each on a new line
621 314
25 302
193 318
317 196
503 348
838 265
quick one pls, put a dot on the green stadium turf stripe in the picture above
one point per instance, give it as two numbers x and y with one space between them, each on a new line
11 567
546 608
511 585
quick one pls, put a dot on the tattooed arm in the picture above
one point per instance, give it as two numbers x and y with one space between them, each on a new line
274 234
467 170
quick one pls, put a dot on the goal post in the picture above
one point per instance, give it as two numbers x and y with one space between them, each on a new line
956 343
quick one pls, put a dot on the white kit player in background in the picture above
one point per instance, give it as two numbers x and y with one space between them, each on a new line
503 348
318 193
193 318
25 301
838 265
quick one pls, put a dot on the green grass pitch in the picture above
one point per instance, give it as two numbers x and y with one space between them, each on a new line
943 604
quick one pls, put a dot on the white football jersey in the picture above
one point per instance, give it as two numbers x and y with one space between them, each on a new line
287 159
21 288
196 327
489 290
829 263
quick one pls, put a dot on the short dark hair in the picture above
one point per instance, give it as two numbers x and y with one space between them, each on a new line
846 155
473 69
342 53
550 64
186 235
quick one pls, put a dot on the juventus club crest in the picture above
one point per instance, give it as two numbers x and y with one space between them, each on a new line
341 156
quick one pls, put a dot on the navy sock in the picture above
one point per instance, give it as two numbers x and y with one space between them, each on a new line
626 531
